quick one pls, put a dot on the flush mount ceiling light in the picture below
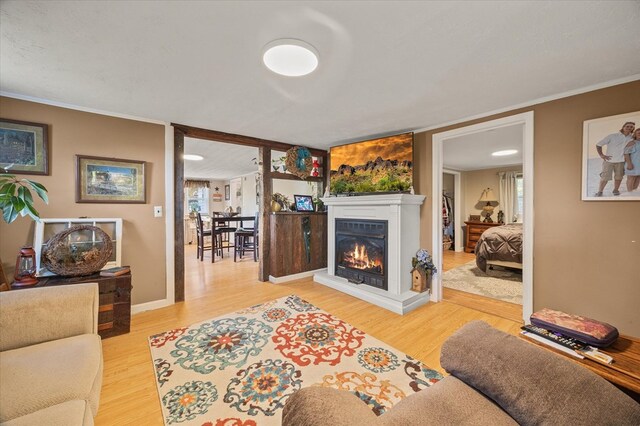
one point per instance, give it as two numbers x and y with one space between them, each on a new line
193 157
504 153
290 57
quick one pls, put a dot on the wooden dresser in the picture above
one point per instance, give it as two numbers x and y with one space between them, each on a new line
114 311
474 230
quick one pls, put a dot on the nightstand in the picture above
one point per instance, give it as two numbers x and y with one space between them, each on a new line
474 230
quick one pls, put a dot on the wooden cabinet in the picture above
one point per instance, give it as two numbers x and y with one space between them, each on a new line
474 230
114 311
288 252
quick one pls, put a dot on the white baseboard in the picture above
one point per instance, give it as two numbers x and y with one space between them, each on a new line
148 306
293 277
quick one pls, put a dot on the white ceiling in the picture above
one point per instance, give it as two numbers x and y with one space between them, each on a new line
222 161
473 152
385 67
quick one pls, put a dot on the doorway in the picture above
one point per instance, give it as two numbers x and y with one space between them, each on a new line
220 181
525 123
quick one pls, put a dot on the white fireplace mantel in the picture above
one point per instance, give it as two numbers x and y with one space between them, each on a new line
402 213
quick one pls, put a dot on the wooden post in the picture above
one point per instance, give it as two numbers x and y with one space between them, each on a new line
266 189
178 218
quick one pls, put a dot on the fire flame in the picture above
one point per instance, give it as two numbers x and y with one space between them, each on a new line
359 259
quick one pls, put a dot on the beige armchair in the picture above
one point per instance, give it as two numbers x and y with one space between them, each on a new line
50 356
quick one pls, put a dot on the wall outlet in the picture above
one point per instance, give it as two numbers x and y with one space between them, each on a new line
157 211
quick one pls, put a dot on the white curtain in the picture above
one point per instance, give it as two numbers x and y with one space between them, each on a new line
508 196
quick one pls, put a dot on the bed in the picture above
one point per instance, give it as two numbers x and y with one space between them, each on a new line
500 245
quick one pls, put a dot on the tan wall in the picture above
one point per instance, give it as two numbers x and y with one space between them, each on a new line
586 254
73 132
474 182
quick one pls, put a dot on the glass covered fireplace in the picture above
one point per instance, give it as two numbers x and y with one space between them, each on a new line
361 251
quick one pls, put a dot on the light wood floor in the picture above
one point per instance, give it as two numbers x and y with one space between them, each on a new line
129 395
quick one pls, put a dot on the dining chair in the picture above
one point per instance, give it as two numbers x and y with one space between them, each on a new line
200 234
246 239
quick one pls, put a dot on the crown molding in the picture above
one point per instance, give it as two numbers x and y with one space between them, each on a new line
80 108
538 101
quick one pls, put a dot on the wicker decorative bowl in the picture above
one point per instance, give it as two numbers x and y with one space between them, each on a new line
78 250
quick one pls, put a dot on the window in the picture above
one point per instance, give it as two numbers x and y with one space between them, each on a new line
519 198
198 200
48 228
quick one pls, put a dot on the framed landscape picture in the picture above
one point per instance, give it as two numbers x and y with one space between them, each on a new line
109 180
24 147
606 174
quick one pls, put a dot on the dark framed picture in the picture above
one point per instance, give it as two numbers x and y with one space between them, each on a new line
109 180
611 158
474 218
227 192
24 147
304 203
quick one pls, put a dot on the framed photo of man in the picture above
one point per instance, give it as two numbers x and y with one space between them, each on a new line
611 158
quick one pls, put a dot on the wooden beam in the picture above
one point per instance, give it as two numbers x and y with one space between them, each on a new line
214 135
266 189
178 218
289 176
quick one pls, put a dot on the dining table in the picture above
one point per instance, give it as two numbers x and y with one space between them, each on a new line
221 223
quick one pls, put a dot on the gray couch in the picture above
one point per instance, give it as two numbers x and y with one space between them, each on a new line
495 379
50 356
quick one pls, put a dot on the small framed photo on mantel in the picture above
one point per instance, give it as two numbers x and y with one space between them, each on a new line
109 180
24 147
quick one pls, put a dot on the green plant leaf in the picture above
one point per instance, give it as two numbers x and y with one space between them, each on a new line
9 214
26 195
40 190
8 188
6 178
32 212
17 203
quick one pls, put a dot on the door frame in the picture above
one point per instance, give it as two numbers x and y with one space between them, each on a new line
180 131
526 119
457 216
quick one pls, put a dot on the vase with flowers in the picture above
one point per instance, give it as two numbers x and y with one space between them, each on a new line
422 272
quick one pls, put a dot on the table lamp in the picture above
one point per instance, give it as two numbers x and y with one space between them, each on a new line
491 201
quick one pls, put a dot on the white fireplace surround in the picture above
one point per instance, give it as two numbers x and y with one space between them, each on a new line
402 213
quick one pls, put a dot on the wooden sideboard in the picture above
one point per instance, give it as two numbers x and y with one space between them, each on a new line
288 249
114 310
624 372
474 230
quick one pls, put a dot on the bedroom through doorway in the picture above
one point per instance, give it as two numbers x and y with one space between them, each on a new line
482 214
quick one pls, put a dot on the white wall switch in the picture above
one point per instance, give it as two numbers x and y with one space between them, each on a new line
157 211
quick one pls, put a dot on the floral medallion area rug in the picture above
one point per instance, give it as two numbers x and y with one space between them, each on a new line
239 369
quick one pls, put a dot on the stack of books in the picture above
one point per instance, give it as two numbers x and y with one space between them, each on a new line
115 272
565 344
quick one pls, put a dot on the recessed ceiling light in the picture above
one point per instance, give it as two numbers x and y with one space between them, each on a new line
290 57
193 157
505 152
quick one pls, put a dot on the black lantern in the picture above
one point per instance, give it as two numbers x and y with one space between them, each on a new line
25 272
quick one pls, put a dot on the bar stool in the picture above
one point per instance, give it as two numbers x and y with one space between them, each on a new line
247 240
200 234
